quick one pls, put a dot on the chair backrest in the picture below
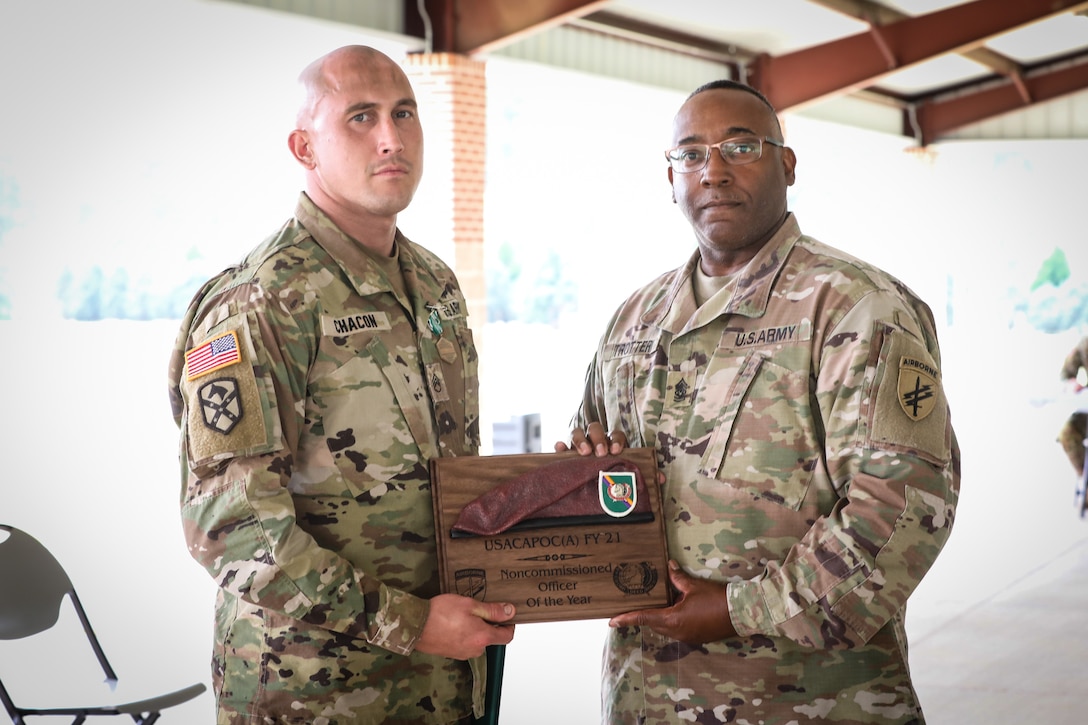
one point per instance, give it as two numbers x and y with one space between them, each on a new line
32 585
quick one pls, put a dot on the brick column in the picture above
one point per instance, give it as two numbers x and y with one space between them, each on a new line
455 89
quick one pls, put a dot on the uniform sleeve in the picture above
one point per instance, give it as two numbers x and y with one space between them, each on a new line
590 409
238 382
593 407
892 457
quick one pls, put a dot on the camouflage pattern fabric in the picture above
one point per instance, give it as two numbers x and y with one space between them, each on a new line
311 390
811 465
1071 437
1075 361
1075 428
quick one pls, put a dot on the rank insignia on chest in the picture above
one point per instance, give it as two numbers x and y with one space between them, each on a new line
680 393
917 388
617 492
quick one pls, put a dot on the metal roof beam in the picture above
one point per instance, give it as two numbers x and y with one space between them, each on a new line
651 34
811 74
933 118
476 26
875 13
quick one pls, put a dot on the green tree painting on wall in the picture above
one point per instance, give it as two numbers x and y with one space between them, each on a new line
1057 299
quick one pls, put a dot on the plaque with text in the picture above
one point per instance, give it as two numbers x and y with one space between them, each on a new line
559 535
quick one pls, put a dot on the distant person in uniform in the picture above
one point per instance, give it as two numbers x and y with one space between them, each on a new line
312 383
793 395
1075 429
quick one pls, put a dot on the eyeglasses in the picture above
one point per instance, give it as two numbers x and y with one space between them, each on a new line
735 151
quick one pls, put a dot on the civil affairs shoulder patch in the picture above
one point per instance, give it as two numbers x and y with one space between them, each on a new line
617 492
214 354
917 387
229 413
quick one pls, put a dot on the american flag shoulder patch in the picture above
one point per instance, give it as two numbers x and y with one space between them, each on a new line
216 353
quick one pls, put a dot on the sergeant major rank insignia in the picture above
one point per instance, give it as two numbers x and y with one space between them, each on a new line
617 492
917 387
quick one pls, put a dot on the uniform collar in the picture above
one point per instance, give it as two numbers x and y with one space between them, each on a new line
353 258
751 292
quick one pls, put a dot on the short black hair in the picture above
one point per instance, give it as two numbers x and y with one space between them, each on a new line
732 86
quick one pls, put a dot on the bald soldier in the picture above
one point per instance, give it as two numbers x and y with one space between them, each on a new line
793 394
312 383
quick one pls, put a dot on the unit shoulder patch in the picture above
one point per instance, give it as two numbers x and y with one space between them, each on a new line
225 416
909 411
221 404
917 387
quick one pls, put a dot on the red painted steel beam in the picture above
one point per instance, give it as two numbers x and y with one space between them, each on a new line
936 117
875 13
475 26
838 67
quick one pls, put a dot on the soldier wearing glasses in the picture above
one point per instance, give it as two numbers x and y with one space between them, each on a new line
793 394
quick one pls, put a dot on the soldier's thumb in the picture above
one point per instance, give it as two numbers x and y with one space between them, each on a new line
497 611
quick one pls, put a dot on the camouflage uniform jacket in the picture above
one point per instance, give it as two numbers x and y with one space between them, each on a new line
810 462
310 397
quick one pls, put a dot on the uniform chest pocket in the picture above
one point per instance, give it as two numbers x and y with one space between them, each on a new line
621 403
765 441
368 412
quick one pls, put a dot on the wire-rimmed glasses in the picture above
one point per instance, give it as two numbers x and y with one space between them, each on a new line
736 151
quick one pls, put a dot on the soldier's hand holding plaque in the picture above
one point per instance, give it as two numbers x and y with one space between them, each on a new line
561 536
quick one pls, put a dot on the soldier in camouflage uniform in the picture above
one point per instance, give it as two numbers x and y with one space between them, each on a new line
793 395
312 383
1075 429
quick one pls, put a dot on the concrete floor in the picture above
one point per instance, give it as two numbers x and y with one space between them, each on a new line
1016 655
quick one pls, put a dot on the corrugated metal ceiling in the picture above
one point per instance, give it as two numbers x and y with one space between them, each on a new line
926 69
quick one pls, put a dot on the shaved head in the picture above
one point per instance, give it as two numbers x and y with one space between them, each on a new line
358 137
325 76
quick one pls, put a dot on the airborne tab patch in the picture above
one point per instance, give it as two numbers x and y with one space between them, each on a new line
917 387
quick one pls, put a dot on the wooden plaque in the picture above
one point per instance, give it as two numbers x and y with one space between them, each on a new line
550 569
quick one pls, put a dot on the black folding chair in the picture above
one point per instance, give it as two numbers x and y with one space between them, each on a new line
33 585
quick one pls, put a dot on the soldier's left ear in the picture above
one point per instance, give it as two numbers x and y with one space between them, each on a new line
789 165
